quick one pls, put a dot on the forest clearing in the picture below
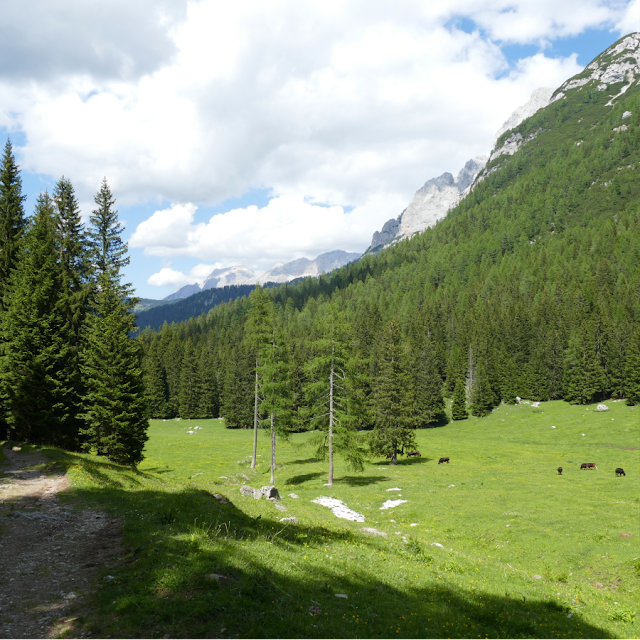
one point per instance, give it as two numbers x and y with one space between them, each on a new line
494 544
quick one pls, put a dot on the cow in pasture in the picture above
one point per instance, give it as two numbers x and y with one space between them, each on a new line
588 465
620 472
559 471
443 460
414 453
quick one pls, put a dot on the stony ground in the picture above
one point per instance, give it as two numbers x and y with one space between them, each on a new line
50 553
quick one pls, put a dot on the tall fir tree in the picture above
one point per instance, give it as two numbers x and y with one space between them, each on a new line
155 384
258 331
331 392
115 411
584 375
428 403
207 384
34 367
482 397
632 370
391 404
459 404
12 218
188 397
75 263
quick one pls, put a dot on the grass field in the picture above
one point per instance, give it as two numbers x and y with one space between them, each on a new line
524 552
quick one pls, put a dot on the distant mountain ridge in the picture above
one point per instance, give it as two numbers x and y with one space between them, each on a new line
240 275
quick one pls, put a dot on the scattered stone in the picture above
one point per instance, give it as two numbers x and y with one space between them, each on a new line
570 615
191 432
241 475
16 449
293 495
225 477
280 507
598 585
220 498
437 544
535 404
109 578
626 114
390 504
451 486
537 577
270 492
314 611
414 524
342 595
195 475
250 492
374 532
394 489
292 519
602 407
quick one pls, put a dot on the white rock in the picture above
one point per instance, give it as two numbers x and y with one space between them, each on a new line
339 509
414 524
394 489
602 407
374 532
342 595
292 519
437 544
626 114
390 504
293 495
539 99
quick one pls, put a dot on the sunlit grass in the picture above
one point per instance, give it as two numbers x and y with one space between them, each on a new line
522 547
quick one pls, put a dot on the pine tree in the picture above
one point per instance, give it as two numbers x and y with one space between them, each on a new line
188 397
459 405
34 368
75 264
12 218
482 398
115 412
276 392
428 405
632 371
207 385
155 385
330 391
584 376
391 404
258 330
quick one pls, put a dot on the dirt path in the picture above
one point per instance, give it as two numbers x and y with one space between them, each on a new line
50 554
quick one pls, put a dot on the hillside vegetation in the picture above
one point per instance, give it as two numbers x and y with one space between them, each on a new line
530 287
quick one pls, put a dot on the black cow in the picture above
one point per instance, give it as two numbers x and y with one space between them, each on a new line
620 472
443 460
559 471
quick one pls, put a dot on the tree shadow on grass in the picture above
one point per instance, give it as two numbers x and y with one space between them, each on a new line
414 460
306 461
305 477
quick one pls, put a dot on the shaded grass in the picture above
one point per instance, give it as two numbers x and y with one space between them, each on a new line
522 548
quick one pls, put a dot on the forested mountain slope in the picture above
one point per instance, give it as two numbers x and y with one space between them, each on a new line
529 287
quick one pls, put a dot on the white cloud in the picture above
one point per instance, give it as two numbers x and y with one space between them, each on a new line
173 278
346 103
286 229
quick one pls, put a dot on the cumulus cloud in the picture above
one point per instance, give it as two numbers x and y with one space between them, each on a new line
344 103
286 229
174 278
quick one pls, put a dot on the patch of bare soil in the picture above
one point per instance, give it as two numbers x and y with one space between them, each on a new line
50 554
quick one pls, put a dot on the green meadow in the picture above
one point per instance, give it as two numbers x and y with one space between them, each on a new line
494 544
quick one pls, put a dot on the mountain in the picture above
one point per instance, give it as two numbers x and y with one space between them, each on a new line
529 287
241 275
438 195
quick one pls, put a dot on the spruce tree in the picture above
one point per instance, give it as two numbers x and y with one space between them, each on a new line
12 218
258 330
391 404
75 264
115 412
459 405
188 397
34 368
331 392
482 398
584 375
428 403
155 385
276 391
632 371
207 384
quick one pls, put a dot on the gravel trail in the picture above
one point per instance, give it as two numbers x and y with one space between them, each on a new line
50 554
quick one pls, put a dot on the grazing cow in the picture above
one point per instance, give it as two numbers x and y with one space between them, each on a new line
559 471
584 466
414 453
588 465
443 460
620 472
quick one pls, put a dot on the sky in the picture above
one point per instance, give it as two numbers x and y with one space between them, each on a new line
258 132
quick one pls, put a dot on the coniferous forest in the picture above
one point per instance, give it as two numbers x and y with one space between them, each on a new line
529 288
69 373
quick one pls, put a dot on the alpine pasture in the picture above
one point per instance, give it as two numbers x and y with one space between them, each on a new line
494 544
